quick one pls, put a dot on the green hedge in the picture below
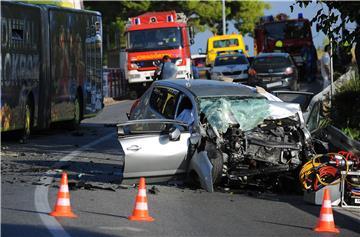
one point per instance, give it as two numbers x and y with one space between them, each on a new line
345 112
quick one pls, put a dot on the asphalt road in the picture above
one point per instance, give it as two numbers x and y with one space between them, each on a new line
103 204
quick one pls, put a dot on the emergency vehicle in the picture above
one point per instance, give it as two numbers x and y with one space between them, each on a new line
151 36
293 33
222 44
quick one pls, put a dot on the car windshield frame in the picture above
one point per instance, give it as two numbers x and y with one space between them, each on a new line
154 39
225 61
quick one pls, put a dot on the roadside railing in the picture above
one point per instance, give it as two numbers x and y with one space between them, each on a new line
114 83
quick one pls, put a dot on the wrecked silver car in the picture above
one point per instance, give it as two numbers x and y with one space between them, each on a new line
231 132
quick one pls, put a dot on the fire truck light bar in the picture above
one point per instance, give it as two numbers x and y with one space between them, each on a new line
137 21
170 18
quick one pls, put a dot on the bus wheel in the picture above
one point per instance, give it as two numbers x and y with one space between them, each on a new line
27 123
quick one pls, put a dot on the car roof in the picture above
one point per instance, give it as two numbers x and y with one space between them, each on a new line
262 55
209 88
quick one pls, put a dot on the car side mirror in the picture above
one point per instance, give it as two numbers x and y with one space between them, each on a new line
174 134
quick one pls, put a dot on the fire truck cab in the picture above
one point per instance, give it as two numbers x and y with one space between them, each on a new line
293 33
151 36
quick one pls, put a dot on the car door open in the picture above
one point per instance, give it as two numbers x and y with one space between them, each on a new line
154 148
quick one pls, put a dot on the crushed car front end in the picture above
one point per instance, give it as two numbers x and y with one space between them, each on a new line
256 137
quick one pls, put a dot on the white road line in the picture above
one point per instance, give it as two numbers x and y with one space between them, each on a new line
41 192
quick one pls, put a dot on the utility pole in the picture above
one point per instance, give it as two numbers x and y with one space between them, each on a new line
223 17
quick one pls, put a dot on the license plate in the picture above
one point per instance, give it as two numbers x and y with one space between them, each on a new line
278 83
357 200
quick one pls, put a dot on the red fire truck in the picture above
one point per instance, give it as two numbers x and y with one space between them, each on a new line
151 36
293 33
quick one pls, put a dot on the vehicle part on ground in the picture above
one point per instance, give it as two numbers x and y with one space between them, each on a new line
324 169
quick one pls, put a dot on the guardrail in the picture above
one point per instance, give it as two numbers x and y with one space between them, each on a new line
114 83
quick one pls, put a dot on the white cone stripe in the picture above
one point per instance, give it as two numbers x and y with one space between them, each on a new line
141 206
327 217
63 202
327 204
64 188
142 193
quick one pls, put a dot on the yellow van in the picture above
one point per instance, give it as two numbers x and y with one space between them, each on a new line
222 43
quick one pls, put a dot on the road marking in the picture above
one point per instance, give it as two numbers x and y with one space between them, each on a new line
41 191
121 228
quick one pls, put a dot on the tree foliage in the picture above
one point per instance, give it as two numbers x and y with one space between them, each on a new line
204 14
334 25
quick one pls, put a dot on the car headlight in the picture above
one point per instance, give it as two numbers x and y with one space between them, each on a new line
134 65
178 62
217 73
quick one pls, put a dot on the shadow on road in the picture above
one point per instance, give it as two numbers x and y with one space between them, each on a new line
11 230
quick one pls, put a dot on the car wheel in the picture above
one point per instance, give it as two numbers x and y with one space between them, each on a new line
216 159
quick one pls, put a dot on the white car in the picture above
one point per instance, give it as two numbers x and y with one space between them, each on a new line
234 66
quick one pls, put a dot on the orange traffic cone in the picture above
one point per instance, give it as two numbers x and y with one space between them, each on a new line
326 219
62 207
140 212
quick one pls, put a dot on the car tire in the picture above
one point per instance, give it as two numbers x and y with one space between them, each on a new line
217 160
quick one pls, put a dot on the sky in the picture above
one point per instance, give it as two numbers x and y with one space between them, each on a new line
276 8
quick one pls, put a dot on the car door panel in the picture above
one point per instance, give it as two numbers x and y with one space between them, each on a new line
154 155
148 150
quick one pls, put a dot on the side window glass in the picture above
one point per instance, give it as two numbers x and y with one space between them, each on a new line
163 101
313 119
157 99
170 104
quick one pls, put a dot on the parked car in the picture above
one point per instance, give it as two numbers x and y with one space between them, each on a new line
199 61
233 132
273 70
234 66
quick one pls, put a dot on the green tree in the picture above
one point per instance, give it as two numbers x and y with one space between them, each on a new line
203 14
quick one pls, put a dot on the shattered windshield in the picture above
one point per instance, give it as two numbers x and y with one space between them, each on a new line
247 112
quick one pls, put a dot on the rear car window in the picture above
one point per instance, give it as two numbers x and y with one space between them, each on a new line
163 100
230 60
225 43
272 61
